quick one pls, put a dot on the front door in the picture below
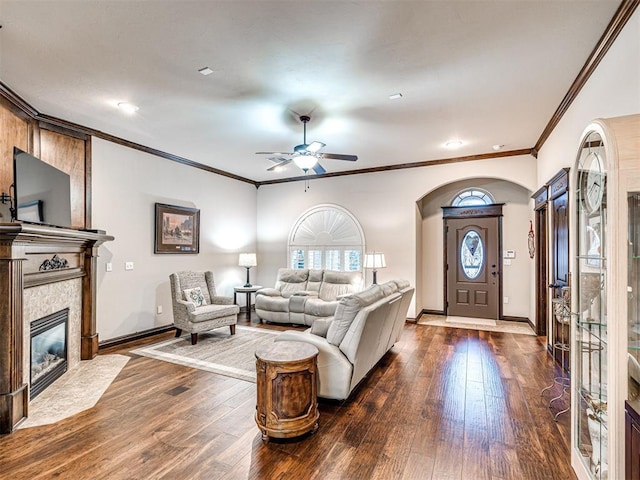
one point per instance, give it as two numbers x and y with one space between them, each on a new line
472 262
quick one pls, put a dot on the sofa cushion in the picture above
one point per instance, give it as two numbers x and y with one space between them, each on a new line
272 304
291 281
320 326
336 284
389 287
319 308
347 310
314 281
195 296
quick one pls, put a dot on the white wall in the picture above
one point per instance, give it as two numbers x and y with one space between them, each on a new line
126 184
385 205
612 91
515 226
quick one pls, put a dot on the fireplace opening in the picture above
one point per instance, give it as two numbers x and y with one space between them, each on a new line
48 350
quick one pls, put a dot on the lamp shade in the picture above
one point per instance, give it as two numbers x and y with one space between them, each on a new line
247 260
374 260
305 162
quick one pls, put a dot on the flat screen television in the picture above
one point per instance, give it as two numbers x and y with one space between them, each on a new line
42 192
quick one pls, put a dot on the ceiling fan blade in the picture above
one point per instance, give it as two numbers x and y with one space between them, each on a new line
319 169
285 161
313 147
338 156
273 153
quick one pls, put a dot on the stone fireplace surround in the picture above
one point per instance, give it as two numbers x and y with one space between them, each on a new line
29 290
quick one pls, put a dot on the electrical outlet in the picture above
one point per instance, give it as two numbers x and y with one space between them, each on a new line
506 261
128 265
109 267
159 309
506 300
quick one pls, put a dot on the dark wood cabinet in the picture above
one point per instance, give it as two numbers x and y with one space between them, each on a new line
632 442
286 384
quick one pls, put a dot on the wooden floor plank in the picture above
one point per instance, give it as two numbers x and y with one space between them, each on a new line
442 404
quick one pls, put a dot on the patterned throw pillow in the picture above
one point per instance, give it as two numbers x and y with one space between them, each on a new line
195 296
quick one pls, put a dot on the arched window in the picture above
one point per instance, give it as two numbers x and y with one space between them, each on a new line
326 237
472 196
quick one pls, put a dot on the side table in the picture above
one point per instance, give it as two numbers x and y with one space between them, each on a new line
248 291
286 384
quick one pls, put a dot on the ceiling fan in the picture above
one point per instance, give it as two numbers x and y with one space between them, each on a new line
306 155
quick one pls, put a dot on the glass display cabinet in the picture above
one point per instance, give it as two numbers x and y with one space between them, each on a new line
605 326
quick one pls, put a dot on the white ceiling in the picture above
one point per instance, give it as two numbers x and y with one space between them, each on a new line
485 72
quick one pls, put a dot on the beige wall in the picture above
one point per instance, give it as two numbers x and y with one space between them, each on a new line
515 226
126 185
385 205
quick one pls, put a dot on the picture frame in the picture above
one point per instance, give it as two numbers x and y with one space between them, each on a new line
177 229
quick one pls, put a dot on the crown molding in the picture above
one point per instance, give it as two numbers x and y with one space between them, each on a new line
615 26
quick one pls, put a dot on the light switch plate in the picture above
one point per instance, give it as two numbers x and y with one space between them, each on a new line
109 267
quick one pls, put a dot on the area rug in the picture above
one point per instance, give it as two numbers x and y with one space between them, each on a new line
216 351
487 325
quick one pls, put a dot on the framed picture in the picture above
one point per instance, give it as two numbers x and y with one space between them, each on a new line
177 229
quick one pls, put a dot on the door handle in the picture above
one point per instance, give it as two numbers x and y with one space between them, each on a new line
554 285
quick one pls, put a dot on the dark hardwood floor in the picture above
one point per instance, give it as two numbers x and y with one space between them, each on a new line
443 404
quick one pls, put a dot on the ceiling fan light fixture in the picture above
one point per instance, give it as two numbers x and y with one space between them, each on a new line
305 162
313 147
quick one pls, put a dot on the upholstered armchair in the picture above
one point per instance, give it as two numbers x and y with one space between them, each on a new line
197 308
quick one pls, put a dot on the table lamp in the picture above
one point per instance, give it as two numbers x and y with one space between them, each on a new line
247 260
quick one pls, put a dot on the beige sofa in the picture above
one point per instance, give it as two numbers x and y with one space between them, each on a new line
301 295
365 326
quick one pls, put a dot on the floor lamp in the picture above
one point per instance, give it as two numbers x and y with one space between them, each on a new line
374 260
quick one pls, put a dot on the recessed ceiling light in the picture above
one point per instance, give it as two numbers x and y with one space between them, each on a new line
395 96
128 108
497 147
205 71
453 144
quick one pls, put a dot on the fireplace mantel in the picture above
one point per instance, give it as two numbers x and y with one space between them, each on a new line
33 255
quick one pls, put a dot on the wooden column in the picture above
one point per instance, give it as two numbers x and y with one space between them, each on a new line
23 248
89 338
14 397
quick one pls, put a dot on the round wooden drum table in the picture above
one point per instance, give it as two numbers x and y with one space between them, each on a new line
287 404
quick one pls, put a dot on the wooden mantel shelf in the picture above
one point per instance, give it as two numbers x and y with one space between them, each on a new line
32 255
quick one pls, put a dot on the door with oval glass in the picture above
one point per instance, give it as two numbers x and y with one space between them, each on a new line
472 263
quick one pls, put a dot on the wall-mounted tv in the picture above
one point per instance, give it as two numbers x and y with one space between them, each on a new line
42 192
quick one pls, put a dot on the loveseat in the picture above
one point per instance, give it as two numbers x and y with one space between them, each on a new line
302 295
365 326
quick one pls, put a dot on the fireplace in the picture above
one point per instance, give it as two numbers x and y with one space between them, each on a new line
48 350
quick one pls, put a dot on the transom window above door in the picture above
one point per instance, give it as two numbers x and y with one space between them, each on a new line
472 196
326 237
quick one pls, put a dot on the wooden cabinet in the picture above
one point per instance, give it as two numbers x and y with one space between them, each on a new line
632 441
605 323
286 381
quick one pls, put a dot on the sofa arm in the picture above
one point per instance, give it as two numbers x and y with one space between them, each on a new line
269 292
334 370
190 306
221 300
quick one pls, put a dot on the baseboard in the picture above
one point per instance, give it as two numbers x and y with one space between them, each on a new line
135 336
426 311
519 319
